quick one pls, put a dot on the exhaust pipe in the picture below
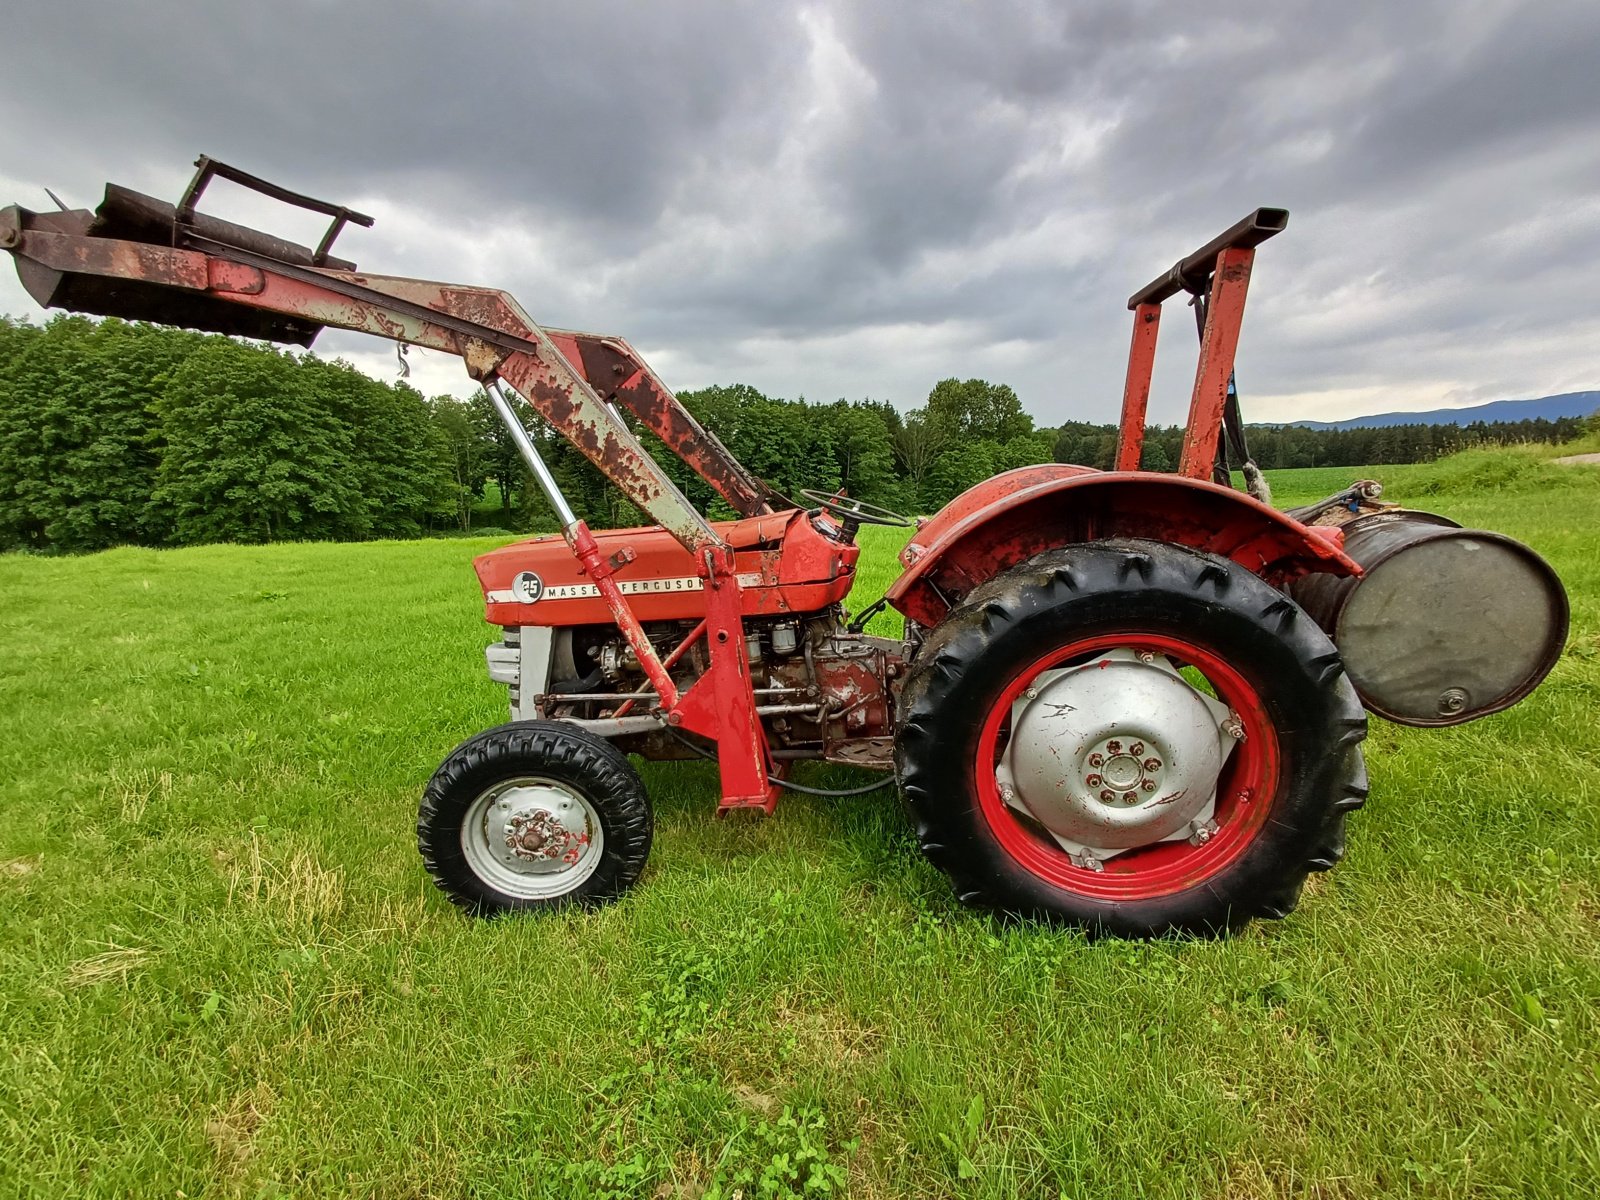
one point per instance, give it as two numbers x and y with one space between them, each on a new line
1445 624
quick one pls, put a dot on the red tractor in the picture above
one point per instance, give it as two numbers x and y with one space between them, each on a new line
1126 700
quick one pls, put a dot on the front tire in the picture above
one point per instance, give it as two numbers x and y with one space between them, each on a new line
1133 737
534 815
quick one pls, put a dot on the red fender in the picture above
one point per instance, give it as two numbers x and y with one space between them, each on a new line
1010 518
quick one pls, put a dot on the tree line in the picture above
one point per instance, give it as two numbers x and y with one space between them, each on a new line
1278 446
115 433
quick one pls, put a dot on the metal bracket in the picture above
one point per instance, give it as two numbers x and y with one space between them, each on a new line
208 168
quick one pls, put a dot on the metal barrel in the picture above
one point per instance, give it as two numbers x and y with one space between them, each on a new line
1445 624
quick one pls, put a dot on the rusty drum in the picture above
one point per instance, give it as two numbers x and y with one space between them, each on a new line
1446 624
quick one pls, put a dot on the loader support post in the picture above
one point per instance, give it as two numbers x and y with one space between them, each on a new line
1136 394
741 744
1224 314
530 455
584 548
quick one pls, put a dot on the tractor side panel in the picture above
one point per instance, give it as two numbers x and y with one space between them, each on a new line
784 563
1010 518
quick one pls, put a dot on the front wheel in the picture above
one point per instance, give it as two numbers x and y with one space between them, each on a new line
1130 736
535 814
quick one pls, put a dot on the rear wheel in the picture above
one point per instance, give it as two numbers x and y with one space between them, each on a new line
535 814
1130 736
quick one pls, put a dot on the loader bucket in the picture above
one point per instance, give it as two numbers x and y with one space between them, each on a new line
130 217
100 274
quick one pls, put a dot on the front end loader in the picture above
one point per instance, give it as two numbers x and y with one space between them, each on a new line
1126 700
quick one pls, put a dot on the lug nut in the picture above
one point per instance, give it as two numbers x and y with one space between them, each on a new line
1108 795
1136 749
1114 746
1032 693
1097 760
1202 836
1149 785
1146 657
1152 764
1094 781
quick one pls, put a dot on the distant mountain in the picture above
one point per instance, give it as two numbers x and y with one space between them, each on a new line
1568 404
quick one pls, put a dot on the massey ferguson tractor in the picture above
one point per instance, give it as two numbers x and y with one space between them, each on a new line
1126 700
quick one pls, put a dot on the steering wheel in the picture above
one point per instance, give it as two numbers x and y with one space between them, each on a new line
852 513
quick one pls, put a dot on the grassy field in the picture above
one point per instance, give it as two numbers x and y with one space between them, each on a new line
223 972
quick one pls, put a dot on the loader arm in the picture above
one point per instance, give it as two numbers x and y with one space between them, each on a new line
620 375
269 289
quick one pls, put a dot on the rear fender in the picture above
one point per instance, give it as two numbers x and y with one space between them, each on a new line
1010 518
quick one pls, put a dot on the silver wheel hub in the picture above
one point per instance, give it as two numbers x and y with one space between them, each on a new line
532 838
1116 753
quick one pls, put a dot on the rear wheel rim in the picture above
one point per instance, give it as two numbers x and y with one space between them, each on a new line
532 838
1246 786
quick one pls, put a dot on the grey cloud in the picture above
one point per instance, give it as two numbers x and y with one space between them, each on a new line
853 198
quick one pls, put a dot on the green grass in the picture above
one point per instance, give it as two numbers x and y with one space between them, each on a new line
223 972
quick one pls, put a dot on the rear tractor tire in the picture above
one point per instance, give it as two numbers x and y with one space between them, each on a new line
1133 737
534 815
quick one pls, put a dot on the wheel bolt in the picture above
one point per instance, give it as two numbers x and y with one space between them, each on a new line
1094 781
1108 795
1152 764
1114 746
1149 785
1136 749
1097 760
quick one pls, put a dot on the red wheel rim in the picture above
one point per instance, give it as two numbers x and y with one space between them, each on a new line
1245 788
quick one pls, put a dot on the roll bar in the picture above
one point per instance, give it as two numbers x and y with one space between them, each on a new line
1190 274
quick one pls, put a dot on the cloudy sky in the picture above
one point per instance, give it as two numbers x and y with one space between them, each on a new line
858 199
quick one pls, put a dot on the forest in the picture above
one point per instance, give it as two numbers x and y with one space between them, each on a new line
116 433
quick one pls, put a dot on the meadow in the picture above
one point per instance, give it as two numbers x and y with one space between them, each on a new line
224 972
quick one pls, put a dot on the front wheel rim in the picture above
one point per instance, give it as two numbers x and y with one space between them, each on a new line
532 838
1247 784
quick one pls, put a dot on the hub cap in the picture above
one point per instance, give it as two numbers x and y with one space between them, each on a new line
532 838
1118 752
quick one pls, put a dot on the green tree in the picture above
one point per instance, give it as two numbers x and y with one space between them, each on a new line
978 410
862 452
80 441
254 452
399 459
466 454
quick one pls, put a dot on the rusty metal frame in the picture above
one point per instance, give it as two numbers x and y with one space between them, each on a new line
1136 392
1224 316
619 374
1219 275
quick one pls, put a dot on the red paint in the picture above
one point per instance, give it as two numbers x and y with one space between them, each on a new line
729 717
1008 519
1136 392
792 567
1224 316
595 563
1248 781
